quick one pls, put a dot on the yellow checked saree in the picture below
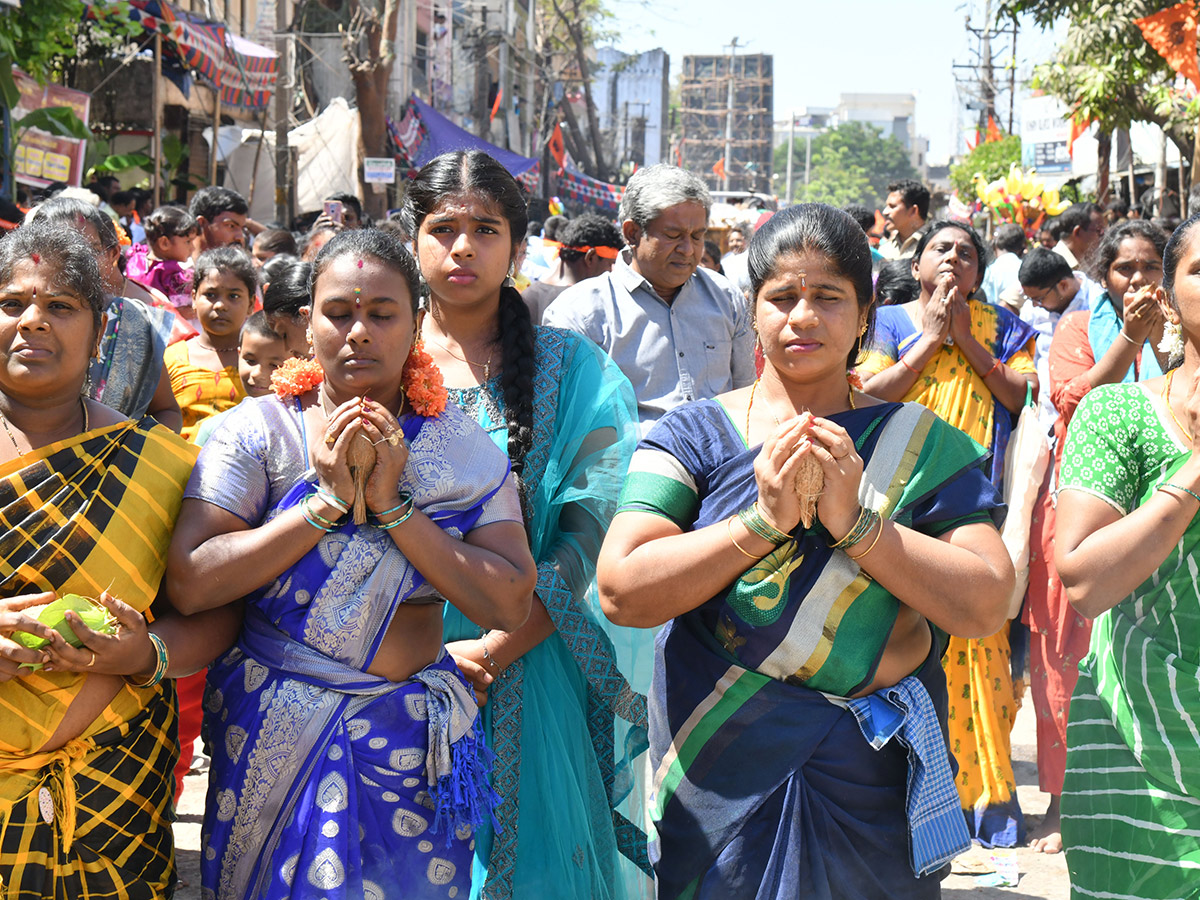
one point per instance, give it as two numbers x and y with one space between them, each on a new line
92 818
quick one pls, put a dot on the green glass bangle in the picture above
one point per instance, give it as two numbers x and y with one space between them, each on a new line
405 501
754 522
306 506
1179 487
314 523
867 519
412 507
160 668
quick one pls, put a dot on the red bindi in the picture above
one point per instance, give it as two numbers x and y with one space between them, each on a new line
36 257
360 262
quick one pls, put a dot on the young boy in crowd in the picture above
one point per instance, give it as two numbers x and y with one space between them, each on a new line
261 351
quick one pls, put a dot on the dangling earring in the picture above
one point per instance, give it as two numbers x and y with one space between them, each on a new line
510 279
1172 340
308 336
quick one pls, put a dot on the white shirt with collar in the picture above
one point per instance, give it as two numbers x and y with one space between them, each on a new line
698 346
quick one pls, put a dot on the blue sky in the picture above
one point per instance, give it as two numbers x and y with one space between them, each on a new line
823 48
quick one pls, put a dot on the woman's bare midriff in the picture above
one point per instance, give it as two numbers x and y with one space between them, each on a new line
907 648
412 641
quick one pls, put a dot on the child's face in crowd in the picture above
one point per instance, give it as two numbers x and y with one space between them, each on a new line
258 357
222 303
177 248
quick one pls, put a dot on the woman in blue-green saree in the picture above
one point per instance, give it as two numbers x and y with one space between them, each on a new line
562 720
798 708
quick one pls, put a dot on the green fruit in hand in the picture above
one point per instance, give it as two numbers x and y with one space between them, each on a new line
94 616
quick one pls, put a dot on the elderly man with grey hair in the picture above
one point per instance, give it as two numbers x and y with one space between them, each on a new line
678 331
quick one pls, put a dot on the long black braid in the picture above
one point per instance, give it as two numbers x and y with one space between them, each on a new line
516 379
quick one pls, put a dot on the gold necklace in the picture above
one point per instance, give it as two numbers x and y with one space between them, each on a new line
1166 397
487 366
750 406
8 431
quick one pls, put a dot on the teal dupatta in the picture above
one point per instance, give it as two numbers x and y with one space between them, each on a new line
564 721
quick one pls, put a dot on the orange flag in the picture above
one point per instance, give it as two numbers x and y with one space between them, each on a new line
496 104
556 146
993 131
1172 33
719 168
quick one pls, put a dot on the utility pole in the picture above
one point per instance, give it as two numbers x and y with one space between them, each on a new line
791 152
980 85
729 117
988 82
283 106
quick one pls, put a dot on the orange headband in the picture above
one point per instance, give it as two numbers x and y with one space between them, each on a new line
602 252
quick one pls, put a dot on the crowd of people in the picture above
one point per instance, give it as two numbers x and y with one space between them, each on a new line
491 558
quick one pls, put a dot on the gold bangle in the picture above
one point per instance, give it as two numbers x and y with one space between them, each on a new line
878 535
733 540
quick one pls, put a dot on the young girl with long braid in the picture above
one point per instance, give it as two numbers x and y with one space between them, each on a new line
553 697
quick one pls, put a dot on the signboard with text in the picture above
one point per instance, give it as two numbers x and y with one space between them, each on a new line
41 158
1045 135
379 170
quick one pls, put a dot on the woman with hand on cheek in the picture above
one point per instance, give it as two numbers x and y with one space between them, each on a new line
971 363
347 752
796 538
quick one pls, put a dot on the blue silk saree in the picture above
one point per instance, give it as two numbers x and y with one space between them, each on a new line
769 782
567 726
326 781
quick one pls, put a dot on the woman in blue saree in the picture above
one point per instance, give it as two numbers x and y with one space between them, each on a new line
347 750
561 719
798 710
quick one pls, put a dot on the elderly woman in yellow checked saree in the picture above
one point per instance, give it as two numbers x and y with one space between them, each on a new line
971 363
88 499
797 692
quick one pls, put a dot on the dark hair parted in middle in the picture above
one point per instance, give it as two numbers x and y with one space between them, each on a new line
233 259
288 286
982 257
1110 245
379 245
66 253
474 172
817 228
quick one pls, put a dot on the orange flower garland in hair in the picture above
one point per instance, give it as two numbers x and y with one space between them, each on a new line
423 382
295 377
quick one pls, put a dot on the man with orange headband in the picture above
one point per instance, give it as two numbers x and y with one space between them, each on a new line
589 246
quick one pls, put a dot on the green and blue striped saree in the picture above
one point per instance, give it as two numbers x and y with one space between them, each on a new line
766 782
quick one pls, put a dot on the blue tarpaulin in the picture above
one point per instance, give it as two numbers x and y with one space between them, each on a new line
442 136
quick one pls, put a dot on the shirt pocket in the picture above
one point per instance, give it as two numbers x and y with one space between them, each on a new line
718 366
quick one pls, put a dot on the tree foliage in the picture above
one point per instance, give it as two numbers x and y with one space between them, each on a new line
38 36
853 163
1105 69
992 160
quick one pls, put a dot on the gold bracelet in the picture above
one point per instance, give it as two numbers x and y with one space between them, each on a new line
878 535
733 540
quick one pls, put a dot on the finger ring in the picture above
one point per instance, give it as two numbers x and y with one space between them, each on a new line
395 437
93 660
330 440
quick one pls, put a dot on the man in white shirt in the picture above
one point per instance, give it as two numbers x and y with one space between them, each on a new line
678 331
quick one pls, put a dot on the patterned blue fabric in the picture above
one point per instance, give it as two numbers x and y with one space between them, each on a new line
326 781
936 830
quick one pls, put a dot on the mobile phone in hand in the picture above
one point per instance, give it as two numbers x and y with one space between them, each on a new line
333 209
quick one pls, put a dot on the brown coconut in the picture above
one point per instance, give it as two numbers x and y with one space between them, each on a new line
361 457
810 481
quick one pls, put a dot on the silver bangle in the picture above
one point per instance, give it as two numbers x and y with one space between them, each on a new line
1122 333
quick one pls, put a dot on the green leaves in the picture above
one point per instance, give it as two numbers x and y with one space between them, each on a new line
59 121
992 160
854 163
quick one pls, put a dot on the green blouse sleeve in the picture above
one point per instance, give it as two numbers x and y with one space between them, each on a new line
1099 453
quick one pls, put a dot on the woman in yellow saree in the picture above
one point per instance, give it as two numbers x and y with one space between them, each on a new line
88 500
971 363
